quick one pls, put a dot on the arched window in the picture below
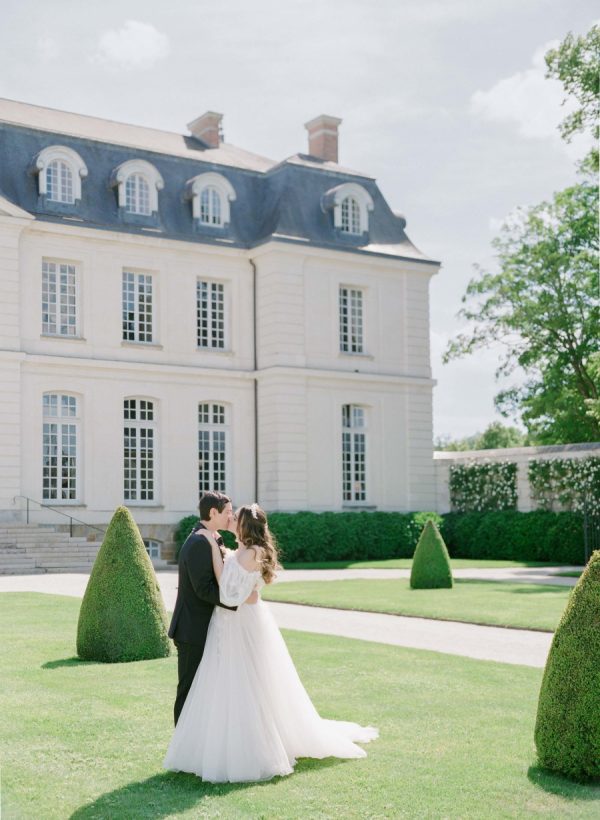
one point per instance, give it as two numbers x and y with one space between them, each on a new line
351 204
138 183
212 447
211 194
350 215
60 172
210 206
60 441
59 182
137 195
139 450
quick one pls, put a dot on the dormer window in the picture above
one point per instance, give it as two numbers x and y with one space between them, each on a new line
137 195
210 194
350 216
210 206
60 171
138 183
351 204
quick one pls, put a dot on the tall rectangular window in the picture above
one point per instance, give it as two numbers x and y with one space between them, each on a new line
59 447
139 445
354 452
210 315
212 447
59 299
137 307
351 320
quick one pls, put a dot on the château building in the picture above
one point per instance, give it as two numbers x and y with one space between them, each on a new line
179 314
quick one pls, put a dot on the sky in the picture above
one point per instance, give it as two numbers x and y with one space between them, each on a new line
443 102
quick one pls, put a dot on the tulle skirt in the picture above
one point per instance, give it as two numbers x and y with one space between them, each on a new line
247 716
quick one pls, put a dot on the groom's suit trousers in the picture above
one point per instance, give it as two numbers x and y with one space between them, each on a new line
189 656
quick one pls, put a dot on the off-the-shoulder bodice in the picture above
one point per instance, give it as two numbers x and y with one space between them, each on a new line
236 583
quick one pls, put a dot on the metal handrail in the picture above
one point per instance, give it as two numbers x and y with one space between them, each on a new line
60 512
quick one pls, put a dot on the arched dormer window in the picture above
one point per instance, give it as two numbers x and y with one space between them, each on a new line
60 171
351 204
138 183
210 194
350 215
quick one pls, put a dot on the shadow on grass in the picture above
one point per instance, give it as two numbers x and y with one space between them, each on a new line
74 661
168 793
554 783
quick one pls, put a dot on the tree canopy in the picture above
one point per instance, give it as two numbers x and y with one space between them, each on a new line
542 304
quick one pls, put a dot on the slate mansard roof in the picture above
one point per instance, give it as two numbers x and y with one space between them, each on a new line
274 201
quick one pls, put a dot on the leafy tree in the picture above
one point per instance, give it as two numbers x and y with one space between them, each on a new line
576 64
594 404
543 305
496 436
543 302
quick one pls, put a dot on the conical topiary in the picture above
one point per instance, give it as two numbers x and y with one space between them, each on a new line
122 615
431 562
567 729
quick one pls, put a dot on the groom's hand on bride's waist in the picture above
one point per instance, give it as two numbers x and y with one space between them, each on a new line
252 598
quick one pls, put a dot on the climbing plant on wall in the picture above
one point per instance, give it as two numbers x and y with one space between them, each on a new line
566 483
483 485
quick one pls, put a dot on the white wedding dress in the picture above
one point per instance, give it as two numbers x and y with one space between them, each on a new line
247 716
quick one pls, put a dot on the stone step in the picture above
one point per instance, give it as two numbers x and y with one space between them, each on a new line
21 570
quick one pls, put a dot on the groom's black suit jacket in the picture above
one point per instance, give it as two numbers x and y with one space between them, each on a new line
198 591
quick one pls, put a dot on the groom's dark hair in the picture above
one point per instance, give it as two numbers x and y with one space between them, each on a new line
211 500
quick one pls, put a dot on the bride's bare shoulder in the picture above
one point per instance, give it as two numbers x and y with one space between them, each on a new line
248 556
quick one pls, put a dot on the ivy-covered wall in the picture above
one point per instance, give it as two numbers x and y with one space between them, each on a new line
520 478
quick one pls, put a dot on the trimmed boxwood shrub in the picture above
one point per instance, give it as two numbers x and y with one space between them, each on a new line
567 731
122 615
515 536
431 564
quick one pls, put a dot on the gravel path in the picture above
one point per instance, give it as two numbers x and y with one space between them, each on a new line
516 646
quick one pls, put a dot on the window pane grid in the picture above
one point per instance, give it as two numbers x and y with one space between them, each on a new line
210 206
354 446
210 315
351 320
59 182
137 195
59 448
212 447
138 450
350 222
137 307
59 299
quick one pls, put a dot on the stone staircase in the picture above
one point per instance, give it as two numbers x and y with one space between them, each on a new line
27 549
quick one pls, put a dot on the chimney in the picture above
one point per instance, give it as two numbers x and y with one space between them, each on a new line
208 128
323 137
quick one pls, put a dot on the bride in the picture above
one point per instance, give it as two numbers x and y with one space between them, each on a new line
247 716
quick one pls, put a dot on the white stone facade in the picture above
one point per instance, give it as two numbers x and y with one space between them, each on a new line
279 375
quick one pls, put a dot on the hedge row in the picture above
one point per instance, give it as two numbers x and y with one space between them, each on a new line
516 536
360 536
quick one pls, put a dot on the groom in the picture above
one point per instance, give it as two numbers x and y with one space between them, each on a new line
198 591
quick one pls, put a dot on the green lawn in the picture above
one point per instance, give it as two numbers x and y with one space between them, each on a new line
527 606
84 740
406 563
570 574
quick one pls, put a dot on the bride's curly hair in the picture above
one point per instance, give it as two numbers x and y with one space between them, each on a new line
253 531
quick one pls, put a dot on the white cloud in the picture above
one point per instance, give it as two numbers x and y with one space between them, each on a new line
135 45
533 103
48 48
526 98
